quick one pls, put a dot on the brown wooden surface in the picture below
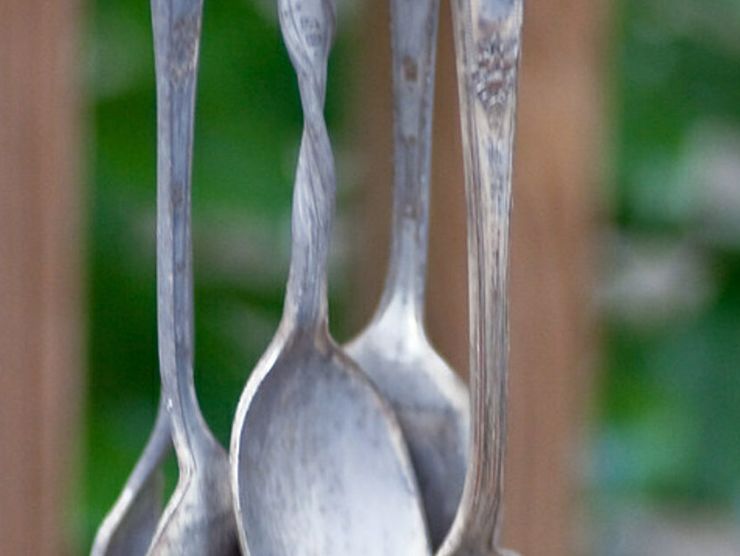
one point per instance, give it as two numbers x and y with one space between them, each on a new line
553 328
39 272
557 164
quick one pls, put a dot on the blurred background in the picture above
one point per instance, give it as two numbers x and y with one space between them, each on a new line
625 393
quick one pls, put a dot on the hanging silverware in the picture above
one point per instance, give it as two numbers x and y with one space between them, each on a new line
488 43
431 402
198 519
319 465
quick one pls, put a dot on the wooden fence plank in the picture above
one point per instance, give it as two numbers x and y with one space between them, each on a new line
553 329
40 318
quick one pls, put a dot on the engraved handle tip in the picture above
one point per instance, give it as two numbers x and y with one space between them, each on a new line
308 28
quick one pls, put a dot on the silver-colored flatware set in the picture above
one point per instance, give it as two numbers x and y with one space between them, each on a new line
375 448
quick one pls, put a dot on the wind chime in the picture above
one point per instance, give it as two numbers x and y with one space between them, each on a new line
371 449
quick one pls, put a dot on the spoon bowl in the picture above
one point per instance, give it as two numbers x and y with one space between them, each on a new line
431 404
322 466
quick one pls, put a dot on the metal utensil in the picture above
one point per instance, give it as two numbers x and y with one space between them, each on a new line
129 526
429 399
198 519
319 465
488 43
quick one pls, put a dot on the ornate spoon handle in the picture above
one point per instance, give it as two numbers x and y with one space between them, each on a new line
487 40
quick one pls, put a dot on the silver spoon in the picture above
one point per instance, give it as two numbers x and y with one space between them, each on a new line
319 466
198 519
488 43
129 526
429 399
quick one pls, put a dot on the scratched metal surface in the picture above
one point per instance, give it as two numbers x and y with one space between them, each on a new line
318 463
488 44
431 402
318 459
198 519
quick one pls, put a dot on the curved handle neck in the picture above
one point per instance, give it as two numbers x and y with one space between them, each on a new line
414 37
176 25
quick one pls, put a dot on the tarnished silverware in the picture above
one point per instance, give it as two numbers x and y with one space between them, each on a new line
488 43
431 402
129 526
319 465
198 520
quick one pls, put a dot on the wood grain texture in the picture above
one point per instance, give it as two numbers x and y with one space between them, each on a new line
40 255
558 158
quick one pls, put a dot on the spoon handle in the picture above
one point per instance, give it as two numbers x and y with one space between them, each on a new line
308 30
487 40
176 25
414 44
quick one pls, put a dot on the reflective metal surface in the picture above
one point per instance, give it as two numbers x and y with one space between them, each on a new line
488 43
431 402
319 464
198 520
319 461
129 526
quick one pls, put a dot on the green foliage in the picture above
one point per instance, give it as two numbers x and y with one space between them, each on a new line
671 396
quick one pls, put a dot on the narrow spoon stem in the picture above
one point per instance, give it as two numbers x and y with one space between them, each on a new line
487 38
177 26
414 39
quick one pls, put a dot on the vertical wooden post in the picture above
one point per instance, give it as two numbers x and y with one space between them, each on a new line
40 319
554 341
558 154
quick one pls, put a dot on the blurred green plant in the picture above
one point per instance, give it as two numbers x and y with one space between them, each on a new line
670 402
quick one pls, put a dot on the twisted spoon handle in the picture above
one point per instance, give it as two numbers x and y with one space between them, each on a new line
308 30
487 39
176 26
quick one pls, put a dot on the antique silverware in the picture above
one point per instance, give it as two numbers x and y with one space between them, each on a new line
488 43
129 526
198 520
431 402
319 465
